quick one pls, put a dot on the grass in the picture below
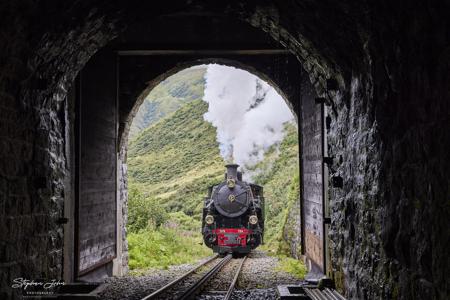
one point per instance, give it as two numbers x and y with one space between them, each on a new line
169 96
176 159
292 266
161 248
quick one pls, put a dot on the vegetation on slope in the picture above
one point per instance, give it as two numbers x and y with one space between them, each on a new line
176 159
170 166
163 248
293 266
278 172
168 96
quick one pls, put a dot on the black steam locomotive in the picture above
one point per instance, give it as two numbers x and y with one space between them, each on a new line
233 215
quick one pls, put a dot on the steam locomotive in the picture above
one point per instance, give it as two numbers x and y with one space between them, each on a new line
233 215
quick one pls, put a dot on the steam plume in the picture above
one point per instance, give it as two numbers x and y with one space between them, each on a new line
247 112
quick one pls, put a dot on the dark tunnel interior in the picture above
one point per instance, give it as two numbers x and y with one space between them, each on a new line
367 81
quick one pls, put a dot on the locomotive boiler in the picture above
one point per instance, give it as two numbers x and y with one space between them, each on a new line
233 214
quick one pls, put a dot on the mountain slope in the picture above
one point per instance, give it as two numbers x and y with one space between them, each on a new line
172 160
176 159
279 174
168 96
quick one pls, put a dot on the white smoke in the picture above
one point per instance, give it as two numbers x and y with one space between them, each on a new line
247 112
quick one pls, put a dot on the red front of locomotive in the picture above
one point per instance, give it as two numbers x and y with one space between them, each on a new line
232 237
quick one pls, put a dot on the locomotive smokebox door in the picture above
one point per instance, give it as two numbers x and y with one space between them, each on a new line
231 202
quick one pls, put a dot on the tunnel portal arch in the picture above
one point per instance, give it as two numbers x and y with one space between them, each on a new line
128 75
137 75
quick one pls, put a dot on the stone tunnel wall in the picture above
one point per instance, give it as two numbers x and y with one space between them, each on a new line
31 194
388 137
35 74
388 134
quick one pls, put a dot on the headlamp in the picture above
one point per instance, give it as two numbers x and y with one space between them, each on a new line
231 183
253 220
209 219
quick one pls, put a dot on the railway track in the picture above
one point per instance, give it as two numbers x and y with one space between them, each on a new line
235 278
197 286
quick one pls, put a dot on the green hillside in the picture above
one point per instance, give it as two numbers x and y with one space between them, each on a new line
279 174
170 166
168 96
176 159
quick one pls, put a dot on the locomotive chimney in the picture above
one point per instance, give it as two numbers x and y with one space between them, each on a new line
232 171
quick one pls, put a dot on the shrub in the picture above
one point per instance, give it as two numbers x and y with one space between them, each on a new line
144 212
293 266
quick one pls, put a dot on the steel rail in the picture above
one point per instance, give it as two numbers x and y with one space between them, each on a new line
325 294
190 293
336 295
233 283
315 294
167 286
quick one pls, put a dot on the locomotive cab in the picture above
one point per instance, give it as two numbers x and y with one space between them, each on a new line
233 215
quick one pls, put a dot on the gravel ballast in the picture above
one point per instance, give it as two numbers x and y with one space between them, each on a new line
258 280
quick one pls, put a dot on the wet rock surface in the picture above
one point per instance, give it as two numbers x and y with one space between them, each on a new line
258 280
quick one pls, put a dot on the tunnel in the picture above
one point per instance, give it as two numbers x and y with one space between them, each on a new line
367 82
